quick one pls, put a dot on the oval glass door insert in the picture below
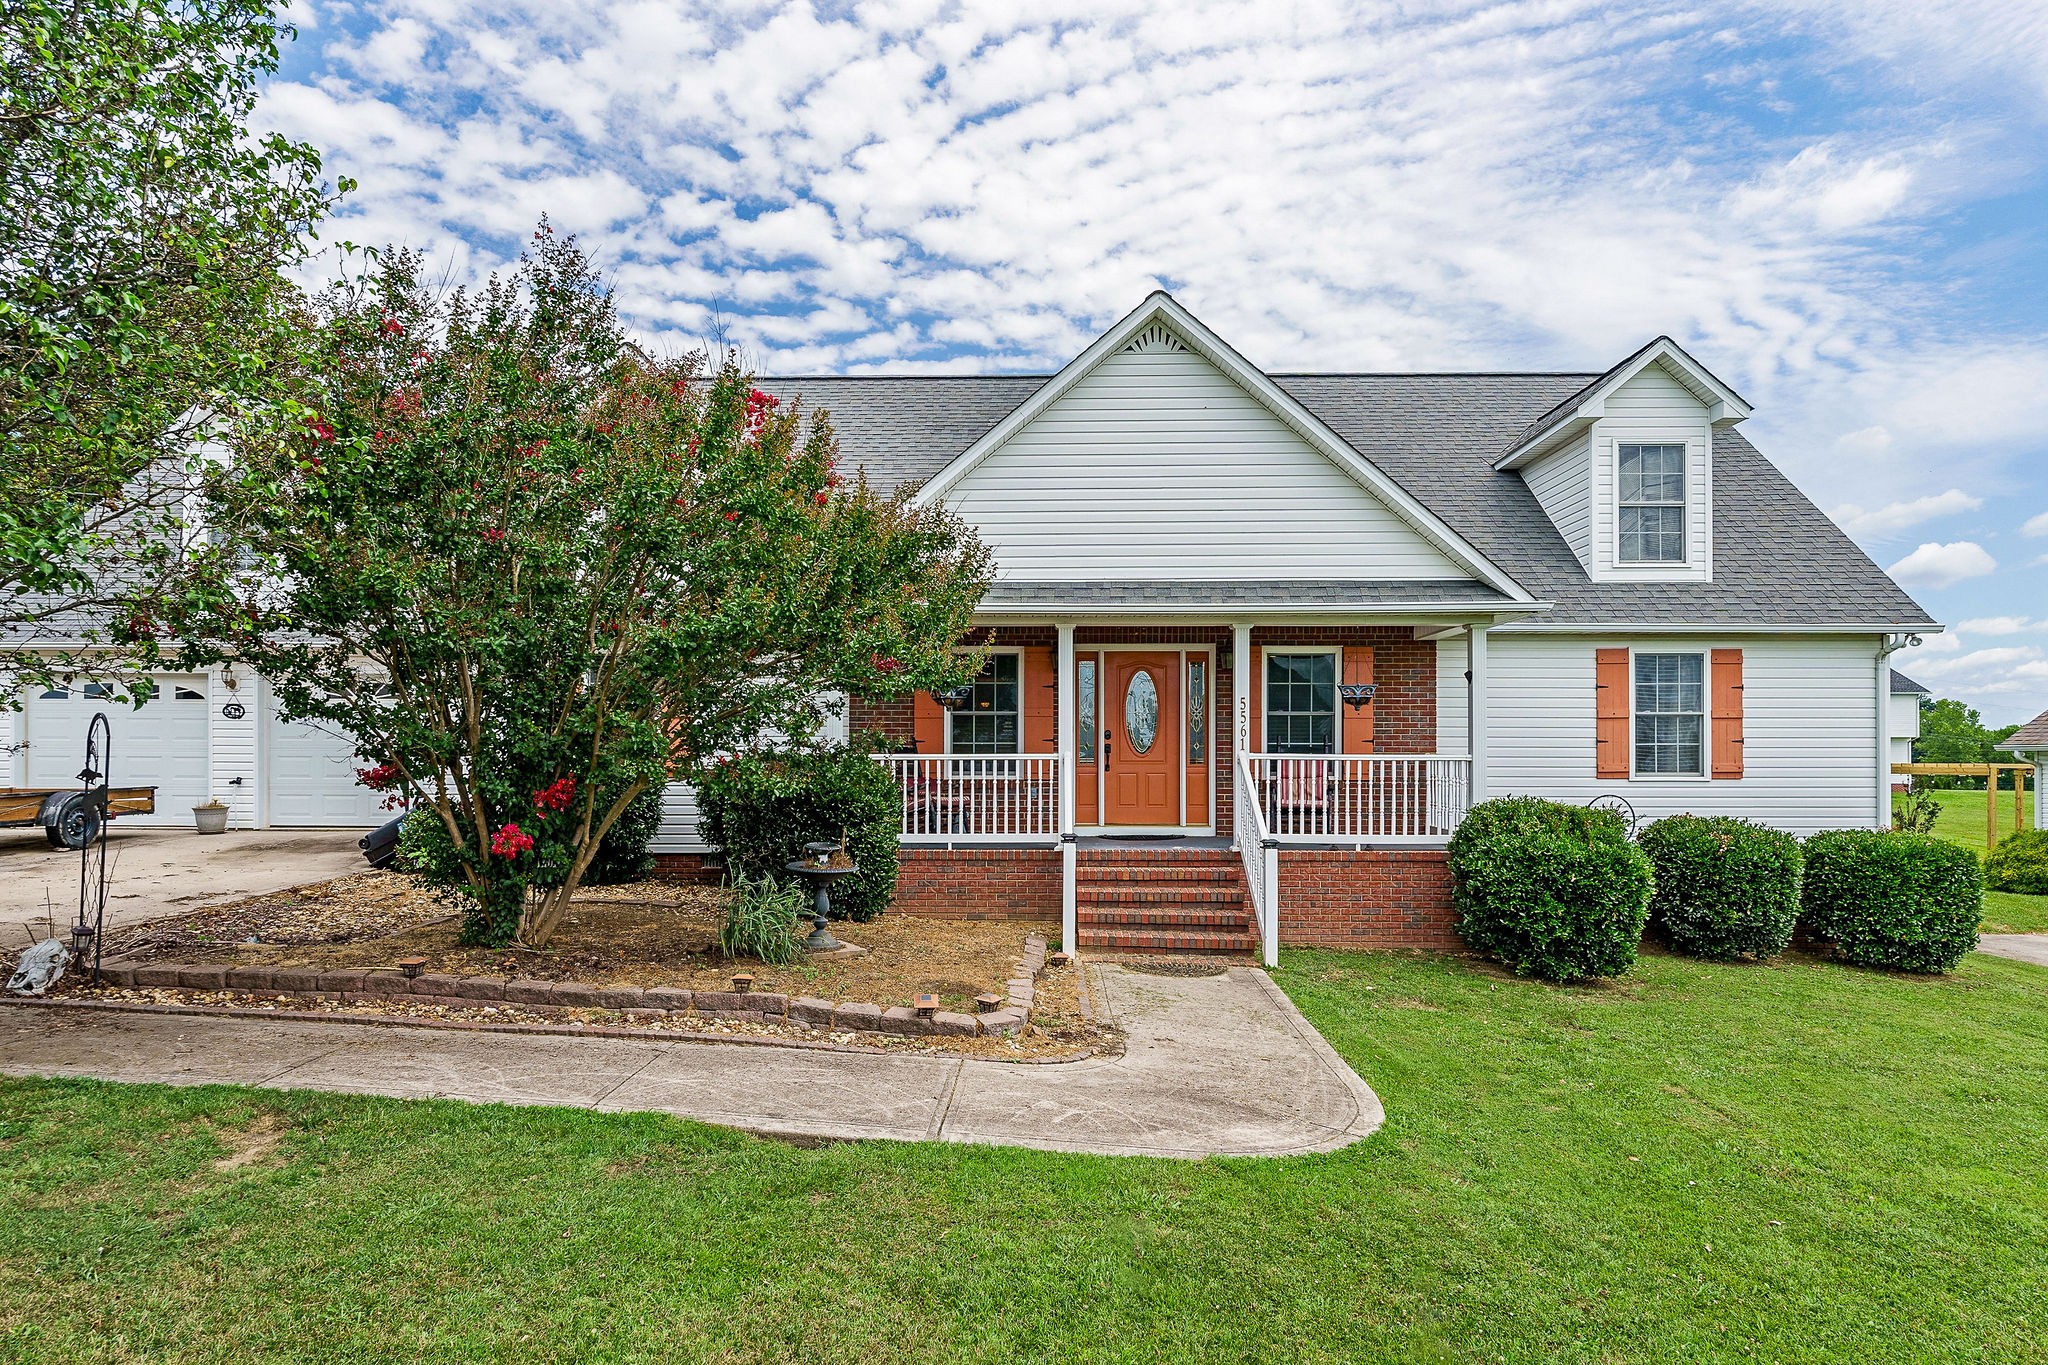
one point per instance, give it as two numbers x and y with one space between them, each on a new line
1141 712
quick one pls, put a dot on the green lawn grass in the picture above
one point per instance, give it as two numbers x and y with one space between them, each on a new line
1962 815
1962 822
1794 1162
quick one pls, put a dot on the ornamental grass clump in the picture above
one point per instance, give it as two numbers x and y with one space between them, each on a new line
2019 863
1551 890
1726 888
1904 901
760 920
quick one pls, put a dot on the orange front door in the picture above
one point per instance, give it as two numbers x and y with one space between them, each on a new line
1140 720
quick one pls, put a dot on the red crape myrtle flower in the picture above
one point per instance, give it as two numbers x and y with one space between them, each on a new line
379 778
556 796
510 841
885 663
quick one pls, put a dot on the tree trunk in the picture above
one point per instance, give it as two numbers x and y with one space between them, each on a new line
544 911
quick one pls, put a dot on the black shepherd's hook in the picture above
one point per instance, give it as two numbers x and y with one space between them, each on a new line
99 762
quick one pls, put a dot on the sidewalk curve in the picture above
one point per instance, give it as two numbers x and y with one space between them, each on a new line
1214 1066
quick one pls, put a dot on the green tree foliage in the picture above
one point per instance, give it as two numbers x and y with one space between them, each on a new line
534 573
1951 732
144 240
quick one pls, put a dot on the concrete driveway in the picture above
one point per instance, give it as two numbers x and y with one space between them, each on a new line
158 872
2019 947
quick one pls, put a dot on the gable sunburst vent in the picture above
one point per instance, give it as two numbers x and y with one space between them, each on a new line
1155 337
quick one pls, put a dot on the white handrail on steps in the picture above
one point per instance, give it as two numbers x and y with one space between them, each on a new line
1261 855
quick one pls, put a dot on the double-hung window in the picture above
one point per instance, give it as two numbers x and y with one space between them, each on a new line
1652 504
988 722
1670 714
1301 703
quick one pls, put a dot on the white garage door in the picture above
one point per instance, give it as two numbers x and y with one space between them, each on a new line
310 774
160 744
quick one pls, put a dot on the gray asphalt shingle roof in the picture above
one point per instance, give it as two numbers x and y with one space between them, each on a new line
2031 736
1778 560
1903 686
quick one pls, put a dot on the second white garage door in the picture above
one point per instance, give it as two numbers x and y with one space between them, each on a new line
309 774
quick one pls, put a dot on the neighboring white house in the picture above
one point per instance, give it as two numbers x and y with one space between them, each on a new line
2029 744
1907 699
1328 611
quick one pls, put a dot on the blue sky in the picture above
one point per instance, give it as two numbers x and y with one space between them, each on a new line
1837 205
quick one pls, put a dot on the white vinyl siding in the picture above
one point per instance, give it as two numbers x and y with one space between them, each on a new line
1652 408
1810 728
1563 482
678 831
1157 466
1453 697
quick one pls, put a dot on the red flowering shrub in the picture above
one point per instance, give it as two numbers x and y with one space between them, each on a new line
383 777
510 841
556 796
669 540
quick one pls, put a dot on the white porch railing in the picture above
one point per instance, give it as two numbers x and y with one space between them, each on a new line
1359 798
1261 855
965 799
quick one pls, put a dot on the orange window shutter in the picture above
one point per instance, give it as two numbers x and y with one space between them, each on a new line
1727 716
1039 676
1256 720
928 723
1357 723
1610 727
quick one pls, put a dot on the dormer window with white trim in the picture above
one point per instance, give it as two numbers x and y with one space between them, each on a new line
1652 503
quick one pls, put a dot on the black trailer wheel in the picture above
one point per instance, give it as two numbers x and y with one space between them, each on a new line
78 824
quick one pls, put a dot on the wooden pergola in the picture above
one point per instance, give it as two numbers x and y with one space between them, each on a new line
1989 772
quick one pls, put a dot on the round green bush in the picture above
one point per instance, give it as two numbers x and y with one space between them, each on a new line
1551 890
1726 888
2019 863
760 811
1905 901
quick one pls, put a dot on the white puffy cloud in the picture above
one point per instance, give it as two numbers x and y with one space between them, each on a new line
1897 516
2035 525
2000 625
2013 673
1935 565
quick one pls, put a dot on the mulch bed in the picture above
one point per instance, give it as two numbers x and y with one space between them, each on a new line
640 934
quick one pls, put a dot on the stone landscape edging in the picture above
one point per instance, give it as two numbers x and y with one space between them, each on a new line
377 985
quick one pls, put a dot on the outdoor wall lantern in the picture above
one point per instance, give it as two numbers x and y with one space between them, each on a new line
953 698
1357 695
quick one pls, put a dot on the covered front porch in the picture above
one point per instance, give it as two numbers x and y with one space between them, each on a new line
1181 748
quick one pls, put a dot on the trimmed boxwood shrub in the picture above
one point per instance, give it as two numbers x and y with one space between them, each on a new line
2019 863
1726 888
1884 899
1553 891
762 809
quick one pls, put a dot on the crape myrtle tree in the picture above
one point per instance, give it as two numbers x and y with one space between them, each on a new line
534 572
145 238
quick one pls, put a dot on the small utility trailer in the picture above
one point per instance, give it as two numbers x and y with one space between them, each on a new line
71 818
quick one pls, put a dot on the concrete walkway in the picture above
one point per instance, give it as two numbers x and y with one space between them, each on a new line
2019 947
1215 1066
158 872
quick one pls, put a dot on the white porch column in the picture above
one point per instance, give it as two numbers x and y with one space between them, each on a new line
1069 774
1241 722
2041 790
1475 707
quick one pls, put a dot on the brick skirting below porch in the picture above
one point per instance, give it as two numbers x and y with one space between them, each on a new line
979 883
1374 898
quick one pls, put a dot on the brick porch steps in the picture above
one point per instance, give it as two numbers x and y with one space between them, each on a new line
1165 900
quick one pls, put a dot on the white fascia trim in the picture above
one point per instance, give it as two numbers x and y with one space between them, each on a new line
1162 305
1460 612
1722 628
1723 404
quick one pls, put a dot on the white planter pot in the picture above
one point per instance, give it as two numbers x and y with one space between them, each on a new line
210 819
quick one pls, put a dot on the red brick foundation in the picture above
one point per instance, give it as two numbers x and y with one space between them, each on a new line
708 869
979 883
1375 898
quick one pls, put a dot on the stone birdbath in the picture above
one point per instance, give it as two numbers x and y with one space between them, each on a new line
824 863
